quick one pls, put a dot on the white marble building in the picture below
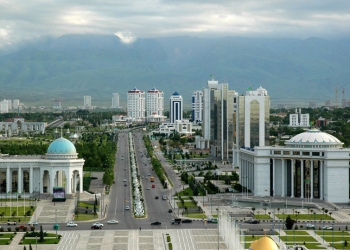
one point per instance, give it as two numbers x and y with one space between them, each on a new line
312 165
60 167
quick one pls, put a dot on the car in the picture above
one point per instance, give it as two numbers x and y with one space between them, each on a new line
96 227
125 184
127 208
33 223
22 227
186 221
149 174
148 188
113 222
11 223
156 223
170 210
156 197
124 180
251 221
72 224
164 197
213 220
97 224
310 226
327 228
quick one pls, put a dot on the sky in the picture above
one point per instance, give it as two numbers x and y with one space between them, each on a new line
27 20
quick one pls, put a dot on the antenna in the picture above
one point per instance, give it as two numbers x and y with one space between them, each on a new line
343 98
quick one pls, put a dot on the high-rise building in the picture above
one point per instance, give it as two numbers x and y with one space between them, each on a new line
253 119
4 107
176 107
15 104
57 104
197 106
136 104
9 104
115 100
87 102
299 120
212 85
154 102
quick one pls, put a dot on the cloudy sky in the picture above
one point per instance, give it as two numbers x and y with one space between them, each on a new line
129 19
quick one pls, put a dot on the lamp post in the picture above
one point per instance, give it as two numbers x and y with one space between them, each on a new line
343 239
323 229
36 242
315 222
333 236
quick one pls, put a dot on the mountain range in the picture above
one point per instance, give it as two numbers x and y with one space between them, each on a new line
294 71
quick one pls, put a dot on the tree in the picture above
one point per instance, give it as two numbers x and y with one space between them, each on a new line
278 211
41 234
330 215
30 247
289 222
265 210
253 209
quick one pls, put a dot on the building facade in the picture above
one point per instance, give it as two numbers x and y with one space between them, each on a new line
299 120
136 104
60 167
115 100
197 106
311 165
87 102
176 107
154 102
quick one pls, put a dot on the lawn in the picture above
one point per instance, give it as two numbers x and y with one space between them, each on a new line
312 245
296 232
340 246
329 232
30 240
85 204
82 217
298 238
196 215
3 241
336 238
6 235
8 211
309 217
186 204
186 192
262 217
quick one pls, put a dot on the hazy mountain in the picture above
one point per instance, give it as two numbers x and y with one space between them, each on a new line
71 66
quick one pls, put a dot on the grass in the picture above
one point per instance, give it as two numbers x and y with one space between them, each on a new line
83 217
186 192
340 246
329 232
298 238
336 238
4 242
4 235
195 215
262 217
28 241
7 210
309 217
23 219
314 246
85 204
291 232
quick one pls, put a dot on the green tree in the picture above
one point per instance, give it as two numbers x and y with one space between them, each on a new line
289 222
41 234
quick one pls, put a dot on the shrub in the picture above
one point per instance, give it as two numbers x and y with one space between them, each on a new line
170 246
17 229
9 229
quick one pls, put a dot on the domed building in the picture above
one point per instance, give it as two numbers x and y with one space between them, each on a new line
59 169
312 164
263 243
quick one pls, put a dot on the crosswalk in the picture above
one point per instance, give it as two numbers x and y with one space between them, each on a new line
68 241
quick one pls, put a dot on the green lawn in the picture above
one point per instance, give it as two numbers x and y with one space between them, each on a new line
23 219
329 232
340 246
189 204
298 238
295 232
195 215
186 192
336 238
82 217
313 245
30 240
309 217
7 210
85 204
262 217
3 241
4 235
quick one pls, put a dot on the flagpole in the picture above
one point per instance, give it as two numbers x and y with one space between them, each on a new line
24 207
17 204
10 203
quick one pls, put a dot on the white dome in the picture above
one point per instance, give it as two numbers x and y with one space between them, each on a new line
314 137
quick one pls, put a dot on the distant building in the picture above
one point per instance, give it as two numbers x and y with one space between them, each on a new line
115 100
313 105
197 106
17 125
9 104
136 104
321 122
299 120
282 106
15 104
328 103
87 102
57 104
176 107
155 105
4 107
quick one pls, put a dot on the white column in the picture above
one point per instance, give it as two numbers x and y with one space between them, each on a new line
292 175
81 181
31 179
19 180
321 180
273 177
302 179
312 180
8 179
52 180
283 177
68 182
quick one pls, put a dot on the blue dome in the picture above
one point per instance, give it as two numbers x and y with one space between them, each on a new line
61 146
176 93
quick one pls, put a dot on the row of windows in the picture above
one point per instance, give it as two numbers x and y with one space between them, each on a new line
305 153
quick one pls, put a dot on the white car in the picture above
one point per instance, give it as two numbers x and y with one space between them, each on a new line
113 222
98 224
71 224
34 223
327 228
310 226
127 208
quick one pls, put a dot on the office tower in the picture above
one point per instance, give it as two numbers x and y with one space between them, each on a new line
57 104
9 104
298 119
253 119
15 104
87 101
176 107
155 102
4 107
197 106
115 100
136 104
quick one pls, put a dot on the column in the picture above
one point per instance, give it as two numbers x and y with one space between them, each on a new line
81 181
68 182
31 180
302 178
8 179
292 175
283 177
52 180
312 179
273 177
19 180
321 180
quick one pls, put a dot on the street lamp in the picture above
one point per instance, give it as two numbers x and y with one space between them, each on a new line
333 236
323 229
315 222
36 242
343 239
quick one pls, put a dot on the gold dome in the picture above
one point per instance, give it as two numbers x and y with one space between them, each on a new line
264 243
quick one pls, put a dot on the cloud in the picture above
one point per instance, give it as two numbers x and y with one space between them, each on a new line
157 18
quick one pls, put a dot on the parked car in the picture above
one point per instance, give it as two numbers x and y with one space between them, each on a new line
71 224
97 224
252 221
156 223
113 222
11 223
33 223
96 227
310 226
127 208
186 221
164 197
327 228
156 197
21 227
170 210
